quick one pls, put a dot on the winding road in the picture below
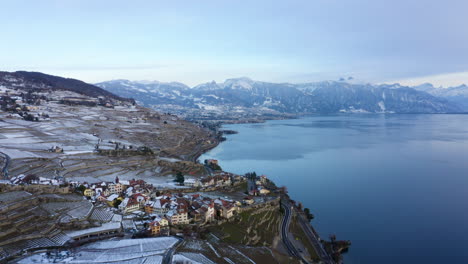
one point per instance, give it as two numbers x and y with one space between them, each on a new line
293 251
285 230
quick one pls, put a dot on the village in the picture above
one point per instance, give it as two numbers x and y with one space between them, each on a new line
136 209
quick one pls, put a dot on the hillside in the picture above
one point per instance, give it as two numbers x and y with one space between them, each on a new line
36 81
58 132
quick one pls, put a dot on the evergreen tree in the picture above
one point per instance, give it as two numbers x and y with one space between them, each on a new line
179 178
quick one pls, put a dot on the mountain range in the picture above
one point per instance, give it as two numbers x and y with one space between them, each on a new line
240 97
317 97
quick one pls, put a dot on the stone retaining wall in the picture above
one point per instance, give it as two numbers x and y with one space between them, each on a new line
35 188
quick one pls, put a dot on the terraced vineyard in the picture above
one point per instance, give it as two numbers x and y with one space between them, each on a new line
33 221
81 132
254 227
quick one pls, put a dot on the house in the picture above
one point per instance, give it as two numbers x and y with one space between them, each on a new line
110 199
208 212
207 182
248 200
137 183
115 188
101 198
263 191
149 207
211 161
192 182
222 180
177 218
162 206
197 216
155 228
162 221
129 205
89 192
225 209
140 198
100 189
179 215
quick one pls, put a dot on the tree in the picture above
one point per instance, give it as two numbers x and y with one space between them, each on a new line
299 205
81 188
281 209
283 190
116 202
251 175
179 178
308 214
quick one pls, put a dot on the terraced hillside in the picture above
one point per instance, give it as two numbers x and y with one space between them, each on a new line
33 221
84 131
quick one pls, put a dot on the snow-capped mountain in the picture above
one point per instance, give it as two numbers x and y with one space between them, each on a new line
457 95
317 97
146 92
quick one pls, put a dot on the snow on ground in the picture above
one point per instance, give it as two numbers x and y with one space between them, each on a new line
73 152
214 250
195 245
18 154
169 159
18 138
208 107
200 258
183 259
147 250
156 243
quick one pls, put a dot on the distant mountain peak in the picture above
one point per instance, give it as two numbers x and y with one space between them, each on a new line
239 83
208 86
424 87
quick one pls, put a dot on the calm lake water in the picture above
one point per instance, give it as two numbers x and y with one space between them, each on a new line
395 185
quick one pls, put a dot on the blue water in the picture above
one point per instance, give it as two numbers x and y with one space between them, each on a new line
395 185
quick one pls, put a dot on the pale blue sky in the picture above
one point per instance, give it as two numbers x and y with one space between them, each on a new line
198 41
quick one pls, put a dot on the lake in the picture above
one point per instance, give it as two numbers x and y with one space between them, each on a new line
395 185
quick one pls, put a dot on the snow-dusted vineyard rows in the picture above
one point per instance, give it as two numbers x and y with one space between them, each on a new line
128 251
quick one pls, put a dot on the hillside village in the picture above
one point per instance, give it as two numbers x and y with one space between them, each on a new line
131 208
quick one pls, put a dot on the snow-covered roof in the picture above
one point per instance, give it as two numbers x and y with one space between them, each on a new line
112 197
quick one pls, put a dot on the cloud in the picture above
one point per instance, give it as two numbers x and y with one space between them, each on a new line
444 80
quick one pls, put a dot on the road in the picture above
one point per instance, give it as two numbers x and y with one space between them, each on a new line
324 256
307 230
285 230
167 259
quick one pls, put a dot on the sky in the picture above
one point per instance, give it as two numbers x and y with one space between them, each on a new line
378 41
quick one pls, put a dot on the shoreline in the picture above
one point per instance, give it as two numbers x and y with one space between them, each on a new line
335 256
